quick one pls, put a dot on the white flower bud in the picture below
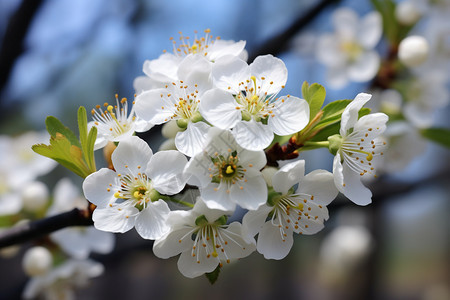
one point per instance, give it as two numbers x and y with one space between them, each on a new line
170 129
268 173
37 261
168 145
407 13
35 196
413 50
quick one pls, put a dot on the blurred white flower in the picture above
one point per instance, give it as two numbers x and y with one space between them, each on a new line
35 196
203 239
349 53
78 242
61 281
408 12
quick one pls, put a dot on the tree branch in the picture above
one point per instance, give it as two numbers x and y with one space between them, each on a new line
39 228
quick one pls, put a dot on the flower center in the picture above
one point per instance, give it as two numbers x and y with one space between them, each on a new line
138 190
114 119
199 45
352 49
227 169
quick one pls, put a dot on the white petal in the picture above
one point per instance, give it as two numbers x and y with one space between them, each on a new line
219 108
221 48
164 68
166 171
272 69
236 245
131 156
291 114
354 189
216 196
10 203
229 71
251 194
338 174
169 245
320 184
151 222
253 221
96 185
253 161
376 121
114 220
288 176
192 140
100 241
350 114
271 242
150 106
370 30
337 76
365 67
72 241
191 266
198 166
143 83
195 69
346 22
253 135
329 52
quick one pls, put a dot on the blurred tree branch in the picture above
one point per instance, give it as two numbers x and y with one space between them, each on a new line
15 33
39 228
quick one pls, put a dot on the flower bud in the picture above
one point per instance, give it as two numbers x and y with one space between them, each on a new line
170 129
37 261
407 13
168 145
268 173
35 196
335 143
413 50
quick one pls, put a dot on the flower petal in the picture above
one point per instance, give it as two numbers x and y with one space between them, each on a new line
131 155
272 69
350 114
329 52
320 184
114 220
346 22
253 135
165 169
365 67
169 245
228 72
221 48
370 30
97 189
150 106
193 139
216 196
290 115
219 108
193 266
249 194
354 189
253 221
151 222
288 176
272 244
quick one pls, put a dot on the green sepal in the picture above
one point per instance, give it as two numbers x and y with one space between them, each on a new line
335 143
314 94
182 123
440 136
214 275
273 197
221 221
201 221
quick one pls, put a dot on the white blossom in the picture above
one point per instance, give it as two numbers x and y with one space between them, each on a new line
129 196
298 205
228 174
245 100
203 239
413 50
349 53
359 146
78 242
114 124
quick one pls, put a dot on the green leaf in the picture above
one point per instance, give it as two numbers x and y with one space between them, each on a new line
87 141
214 275
315 96
437 135
82 127
55 126
92 137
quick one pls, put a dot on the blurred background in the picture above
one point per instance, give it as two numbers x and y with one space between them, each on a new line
57 55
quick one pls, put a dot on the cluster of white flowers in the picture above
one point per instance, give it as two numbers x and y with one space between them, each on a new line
227 112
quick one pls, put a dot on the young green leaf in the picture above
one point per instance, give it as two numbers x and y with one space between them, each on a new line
314 94
54 126
437 135
213 276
